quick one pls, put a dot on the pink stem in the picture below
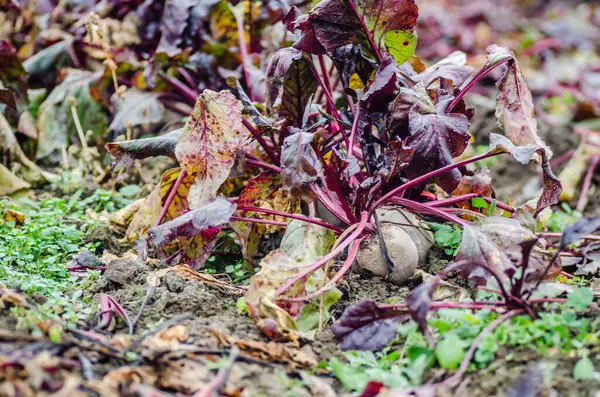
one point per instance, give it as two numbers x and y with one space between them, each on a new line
472 82
357 116
321 262
500 204
374 47
559 235
256 220
272 155
429 175
291 216
188 78
262 164
424 208
452 200
171 196
338 276
244 55
188 93
587 182
562 158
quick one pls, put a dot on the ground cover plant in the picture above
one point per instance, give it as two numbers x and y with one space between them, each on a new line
227 183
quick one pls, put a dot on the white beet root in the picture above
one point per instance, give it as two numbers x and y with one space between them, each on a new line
407 246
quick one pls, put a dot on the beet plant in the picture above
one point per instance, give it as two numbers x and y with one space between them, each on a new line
352 123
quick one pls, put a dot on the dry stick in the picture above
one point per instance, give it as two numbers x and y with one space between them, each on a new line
215 386
149 293
587 183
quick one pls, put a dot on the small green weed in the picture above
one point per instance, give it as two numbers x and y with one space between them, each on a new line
405 362
447 237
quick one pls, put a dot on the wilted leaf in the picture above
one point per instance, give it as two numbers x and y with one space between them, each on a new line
193 222
290 69
303 243
10 183
514 104
476 247
332 24
306 242
179 205
480 183
177 16
210 141
139 109
552 187
300 165
55 121
13 79
146 216
397 157
365 326
453 67
269 351
577 230
258 188
437 138
126 151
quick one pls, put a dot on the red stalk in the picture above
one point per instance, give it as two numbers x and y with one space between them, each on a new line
171 196
585 188
338 276
188 93
562 158
500 204
272 155
472 82
452 200
257 220
429 175
321 262
291 216
244 55
188 78
366 31
262 164
424 208
559 235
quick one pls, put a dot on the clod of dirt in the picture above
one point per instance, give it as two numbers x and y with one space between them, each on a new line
406 241
109 238
122 272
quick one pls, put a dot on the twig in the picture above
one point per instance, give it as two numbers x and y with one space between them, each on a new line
149 293
587 183
214 387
